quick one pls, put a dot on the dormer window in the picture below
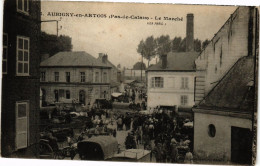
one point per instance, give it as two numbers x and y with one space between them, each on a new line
23 6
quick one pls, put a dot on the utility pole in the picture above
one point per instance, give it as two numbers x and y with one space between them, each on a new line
142 53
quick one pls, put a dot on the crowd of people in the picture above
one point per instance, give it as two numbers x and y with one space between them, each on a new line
163 135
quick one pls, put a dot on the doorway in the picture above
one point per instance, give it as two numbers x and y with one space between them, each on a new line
56 95
241 145
82 97
43 98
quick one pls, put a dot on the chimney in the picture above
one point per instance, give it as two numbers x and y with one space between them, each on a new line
104 59
100 55
164 61
190 33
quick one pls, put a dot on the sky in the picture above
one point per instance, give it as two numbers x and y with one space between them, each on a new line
119 38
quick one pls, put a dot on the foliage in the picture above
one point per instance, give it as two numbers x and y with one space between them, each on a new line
176 43
197 45
138 66
51 44
205 43
163 45
147 48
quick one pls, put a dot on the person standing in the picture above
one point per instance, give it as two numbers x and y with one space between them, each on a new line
119 123
158 152
188 157
174 151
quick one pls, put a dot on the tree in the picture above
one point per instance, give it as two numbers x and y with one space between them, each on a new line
147 48
163 45
197 45
205 43
182 47
176 42
137 66
51 44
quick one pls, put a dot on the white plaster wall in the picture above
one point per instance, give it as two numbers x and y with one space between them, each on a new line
171 92
218 147
97 91
232 39
75 74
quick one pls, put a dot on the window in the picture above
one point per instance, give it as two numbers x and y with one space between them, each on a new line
82 96
212 130
21 124
61 93
184 83
82 77
23 6
105 94
157 82
67 94
184 100
23 56
56 76
4 58
56 95
104 77
43 76
67 76
97 77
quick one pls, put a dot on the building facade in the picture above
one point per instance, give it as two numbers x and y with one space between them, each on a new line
173 84
171 81
231 42
20 73
115 73
223 120
76 76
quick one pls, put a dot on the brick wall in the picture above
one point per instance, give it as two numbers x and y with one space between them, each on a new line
20 88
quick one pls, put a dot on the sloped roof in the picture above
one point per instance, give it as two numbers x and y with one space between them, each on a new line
76 58
235 90
177 61
108 63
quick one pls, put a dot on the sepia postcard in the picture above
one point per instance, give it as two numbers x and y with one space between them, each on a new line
129 82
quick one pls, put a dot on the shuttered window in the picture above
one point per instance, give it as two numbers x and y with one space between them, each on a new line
184 83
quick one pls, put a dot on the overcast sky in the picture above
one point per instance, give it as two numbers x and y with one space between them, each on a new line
119 37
